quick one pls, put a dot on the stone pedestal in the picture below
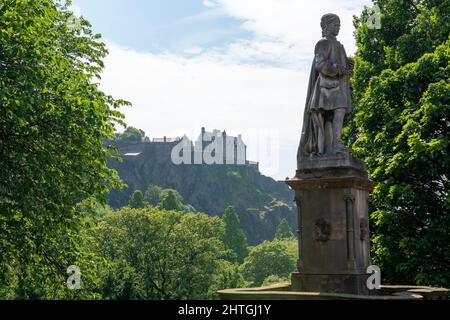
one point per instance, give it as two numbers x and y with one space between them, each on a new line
331 193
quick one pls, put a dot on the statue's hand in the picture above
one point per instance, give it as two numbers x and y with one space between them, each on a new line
342 70
350 66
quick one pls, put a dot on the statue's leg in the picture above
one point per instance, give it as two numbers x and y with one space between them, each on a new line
338 123
328 133
319 130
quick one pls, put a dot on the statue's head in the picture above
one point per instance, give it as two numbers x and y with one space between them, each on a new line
331 24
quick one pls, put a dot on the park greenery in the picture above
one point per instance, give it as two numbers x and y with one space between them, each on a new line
401 95
53 123
54 174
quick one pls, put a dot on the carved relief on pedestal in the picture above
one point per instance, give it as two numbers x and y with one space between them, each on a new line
322 230
363 229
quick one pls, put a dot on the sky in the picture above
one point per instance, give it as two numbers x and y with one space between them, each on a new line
235 65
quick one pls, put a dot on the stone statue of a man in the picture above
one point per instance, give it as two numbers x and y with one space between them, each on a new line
328 99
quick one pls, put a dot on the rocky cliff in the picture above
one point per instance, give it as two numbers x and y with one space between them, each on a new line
260 201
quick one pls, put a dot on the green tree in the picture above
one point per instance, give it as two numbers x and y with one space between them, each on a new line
401 129
170 201
234 239
153 195
131 134
136 200
409 29
228 277
166 254
53 123
167 199
92 207
283 230
120 281
267 259
274 279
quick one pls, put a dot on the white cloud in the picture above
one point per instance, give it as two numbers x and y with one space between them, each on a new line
209 3
251 86
292 26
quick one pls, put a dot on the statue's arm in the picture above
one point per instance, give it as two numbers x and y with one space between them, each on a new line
322 62
350 63
350 66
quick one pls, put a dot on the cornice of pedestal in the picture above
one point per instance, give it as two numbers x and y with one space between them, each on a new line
331 172
298 183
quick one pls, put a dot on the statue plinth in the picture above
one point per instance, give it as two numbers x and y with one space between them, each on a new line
331 193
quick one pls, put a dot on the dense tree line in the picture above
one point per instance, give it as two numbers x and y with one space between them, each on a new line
53 122
152 253
401 92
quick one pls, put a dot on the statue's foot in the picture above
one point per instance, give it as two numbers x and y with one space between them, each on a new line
340 149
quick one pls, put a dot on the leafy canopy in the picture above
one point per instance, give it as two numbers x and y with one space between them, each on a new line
160 254
131 134
283 230
136 200
53 123
234 239
268 259
401 130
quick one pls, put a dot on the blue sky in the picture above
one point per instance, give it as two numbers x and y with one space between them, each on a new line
162 25
235 65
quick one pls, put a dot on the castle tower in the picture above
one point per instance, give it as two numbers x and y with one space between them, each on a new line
224 146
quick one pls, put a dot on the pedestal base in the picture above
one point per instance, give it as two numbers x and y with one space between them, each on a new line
286 292
332 283
332 201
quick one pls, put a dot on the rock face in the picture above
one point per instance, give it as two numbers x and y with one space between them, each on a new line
260 201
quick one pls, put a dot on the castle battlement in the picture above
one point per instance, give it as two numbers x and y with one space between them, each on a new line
233 150
164 140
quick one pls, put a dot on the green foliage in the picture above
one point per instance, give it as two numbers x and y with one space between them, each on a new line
153 195
268 259
164 254
170 201
131 134
120 281
283 230
292 247
92 207
275 279
53 123
409 30
401 129
228 277
234 174
38 280
234 239
166 199
136 200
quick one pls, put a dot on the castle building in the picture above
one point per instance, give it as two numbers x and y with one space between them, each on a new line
213 148
233 149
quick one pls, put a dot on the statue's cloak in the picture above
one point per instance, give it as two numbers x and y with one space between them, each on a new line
308 143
